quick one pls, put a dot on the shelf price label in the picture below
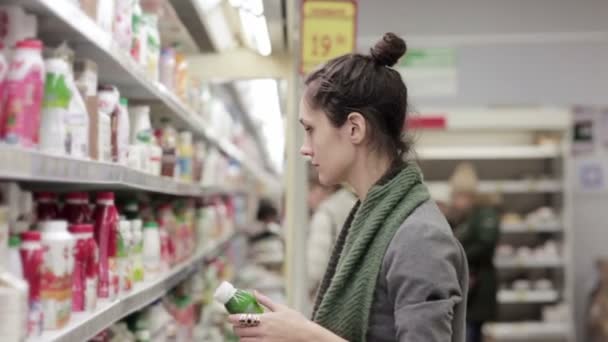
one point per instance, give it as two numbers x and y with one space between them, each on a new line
328 31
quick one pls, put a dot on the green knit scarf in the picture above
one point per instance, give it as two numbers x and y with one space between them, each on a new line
345 297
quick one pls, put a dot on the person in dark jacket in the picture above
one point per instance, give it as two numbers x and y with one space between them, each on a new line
475 221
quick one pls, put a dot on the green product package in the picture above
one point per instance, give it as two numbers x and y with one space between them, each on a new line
237 301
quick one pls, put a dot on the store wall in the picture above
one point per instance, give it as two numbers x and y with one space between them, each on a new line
517 52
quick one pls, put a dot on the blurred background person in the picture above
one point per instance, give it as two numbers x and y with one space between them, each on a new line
329 208
475 220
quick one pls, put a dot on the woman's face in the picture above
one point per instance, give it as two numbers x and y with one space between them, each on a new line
329 148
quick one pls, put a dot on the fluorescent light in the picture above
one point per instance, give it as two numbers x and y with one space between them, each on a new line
255 30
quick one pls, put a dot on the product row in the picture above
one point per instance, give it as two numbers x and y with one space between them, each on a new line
549 251
543 216
188 313
62 259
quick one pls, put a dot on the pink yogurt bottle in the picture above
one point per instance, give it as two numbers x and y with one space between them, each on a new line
84 284
24 88
46 206
32 257
105 218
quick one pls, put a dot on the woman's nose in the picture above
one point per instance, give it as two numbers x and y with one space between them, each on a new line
306 151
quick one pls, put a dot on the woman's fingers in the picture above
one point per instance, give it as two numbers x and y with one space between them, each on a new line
267 302
247 332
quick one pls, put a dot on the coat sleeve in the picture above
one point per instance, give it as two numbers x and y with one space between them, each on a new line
426 274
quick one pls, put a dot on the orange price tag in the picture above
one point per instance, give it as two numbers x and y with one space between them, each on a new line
328 31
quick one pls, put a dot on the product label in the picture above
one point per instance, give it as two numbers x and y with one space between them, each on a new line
22 109
105 138
77 139
56 284
185 168
169 159
90 294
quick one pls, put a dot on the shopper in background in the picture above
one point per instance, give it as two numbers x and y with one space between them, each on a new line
475 221
396 273
266 247
330 206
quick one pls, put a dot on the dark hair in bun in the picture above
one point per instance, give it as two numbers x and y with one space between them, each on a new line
388 50
362 83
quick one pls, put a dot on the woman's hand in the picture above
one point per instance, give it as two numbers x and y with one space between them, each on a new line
278 325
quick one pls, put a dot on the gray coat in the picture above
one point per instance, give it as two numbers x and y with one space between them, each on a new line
422 288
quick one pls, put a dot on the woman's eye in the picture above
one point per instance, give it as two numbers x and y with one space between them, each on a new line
308 129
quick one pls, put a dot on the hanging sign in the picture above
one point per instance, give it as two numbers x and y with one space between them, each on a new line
328 30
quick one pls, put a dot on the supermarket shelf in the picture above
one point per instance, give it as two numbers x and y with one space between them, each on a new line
508 263
524 227
527 331
83 326
488 152
506 186
527 297
63 19
33 166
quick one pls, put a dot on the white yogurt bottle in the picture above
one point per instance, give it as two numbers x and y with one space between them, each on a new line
151 250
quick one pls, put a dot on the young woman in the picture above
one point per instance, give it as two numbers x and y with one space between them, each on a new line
396 272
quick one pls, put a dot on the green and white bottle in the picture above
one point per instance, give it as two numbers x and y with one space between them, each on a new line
237 301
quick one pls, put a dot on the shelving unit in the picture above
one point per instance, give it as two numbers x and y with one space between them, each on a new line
527 297
83 326
503 145
61 20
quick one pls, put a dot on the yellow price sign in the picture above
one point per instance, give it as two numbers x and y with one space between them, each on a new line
329 30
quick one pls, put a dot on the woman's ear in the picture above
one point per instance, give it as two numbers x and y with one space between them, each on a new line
357 127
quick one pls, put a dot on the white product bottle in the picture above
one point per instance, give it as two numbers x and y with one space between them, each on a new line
138 267
122 29
13 292
14 258
125 262
153 45
108 101
57 97
123 130
105 14
77 122
56 295
140 123
151 250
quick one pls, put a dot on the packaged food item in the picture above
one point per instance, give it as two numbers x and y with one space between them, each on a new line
167 68
139 44
16 25
4 66
155 157
84 284
151 250
181 76
105 218
237 301
24 88
46 206
76 209
139 138
56 284
105 14
168 142
122 132
123 16
108 102
152 52
86 82
185 154
169 234
13 311
14 259
124 256
137 258
197 161
32 257
57 96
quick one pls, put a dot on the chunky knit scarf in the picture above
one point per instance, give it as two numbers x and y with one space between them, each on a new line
345 297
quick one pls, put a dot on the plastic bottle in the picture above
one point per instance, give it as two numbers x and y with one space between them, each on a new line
57 97
84 284
14 259
167 68
153 45
76 209
105 217
56 284
108 102
138 267
181 76
32 257
77 122
139 44
171 249
139 137
24 89
16 25
124 256
122 132
185 154
168 142
151 250
123 16
197 161
237 301
4 66
46 206
155 154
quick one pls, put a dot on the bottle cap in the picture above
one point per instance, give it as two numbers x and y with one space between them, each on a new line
105 196
30 235
14 241
150 224
29 44
224 292
81 228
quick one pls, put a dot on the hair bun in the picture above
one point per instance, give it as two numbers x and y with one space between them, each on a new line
388 50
